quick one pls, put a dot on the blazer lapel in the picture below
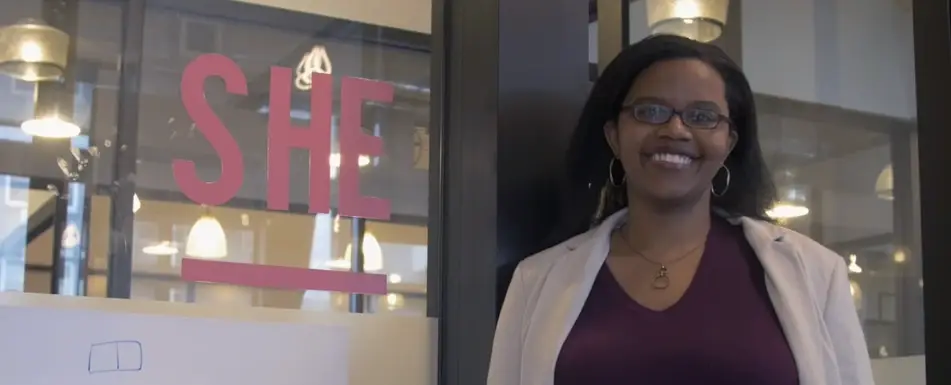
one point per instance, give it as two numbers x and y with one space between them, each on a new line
788 290
566 290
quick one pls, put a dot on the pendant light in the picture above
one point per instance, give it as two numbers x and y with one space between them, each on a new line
136 203
372 255
701 20
207 238
162 248
792 204
792 197
52 127
31 50
885 184
853 266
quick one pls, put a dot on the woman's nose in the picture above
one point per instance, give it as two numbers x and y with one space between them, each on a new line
675 129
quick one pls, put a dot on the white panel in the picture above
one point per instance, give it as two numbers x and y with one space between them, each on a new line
899 371
81 340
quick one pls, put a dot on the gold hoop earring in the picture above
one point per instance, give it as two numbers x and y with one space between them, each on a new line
611 178
726 185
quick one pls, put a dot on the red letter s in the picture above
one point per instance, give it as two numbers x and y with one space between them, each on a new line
193 98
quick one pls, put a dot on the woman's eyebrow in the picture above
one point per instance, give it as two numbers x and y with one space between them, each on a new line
705 104
645 99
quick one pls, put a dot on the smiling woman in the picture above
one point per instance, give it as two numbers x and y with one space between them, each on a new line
667 252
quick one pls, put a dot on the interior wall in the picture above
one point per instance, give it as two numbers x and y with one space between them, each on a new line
835 52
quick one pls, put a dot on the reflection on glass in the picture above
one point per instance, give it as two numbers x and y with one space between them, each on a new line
843 142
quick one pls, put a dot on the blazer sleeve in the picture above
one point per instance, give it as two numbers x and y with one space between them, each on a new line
845 330
506 362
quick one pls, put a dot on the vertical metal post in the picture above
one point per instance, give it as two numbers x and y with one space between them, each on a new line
191 293
83 271
59 229
126 148
932 23
55 98
358 228
909 299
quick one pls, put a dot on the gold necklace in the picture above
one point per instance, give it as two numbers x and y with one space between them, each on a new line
661 280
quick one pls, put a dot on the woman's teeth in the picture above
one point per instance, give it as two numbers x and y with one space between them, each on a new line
673 159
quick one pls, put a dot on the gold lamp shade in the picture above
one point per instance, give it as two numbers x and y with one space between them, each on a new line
31 50
701 20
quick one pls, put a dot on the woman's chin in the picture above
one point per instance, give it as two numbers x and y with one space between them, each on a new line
672 195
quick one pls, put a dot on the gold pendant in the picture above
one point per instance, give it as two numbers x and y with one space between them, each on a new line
661 281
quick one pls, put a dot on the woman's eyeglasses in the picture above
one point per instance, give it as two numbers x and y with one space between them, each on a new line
660 114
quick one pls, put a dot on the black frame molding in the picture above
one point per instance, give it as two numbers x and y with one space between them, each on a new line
503 106
932 34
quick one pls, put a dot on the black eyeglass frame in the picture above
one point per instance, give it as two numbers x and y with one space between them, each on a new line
678 113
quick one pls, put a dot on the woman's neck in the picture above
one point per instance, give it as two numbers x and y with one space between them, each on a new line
660 231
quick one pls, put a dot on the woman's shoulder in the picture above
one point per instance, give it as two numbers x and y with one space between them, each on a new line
537 266
808 247
819 261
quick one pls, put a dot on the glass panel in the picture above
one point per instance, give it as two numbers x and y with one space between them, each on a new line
843 146
48 184
836 104
175 125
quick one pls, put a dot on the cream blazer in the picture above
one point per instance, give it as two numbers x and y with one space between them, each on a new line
807 283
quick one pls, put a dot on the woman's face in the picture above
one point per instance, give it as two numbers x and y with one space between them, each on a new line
673 157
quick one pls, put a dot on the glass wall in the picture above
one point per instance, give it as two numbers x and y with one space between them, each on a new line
835 92
209 114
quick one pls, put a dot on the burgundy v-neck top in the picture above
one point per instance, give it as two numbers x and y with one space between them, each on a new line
723 331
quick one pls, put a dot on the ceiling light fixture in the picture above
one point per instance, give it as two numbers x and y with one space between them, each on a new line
885 184
792 204
31 50
136 203
207 239
854 267
787 211
161 248
701 20
50 127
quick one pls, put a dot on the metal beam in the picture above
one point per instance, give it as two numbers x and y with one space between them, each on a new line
932 34
119 284
504 103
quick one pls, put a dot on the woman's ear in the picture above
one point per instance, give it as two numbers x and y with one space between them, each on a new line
734 137
611 136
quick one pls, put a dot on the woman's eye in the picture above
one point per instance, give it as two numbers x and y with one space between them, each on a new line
704 116
650 112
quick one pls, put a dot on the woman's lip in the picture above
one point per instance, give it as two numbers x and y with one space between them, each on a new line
651 154
650 160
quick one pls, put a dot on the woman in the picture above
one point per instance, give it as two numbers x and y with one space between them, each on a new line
681 279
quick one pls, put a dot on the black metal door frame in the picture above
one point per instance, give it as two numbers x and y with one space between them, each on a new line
509 79
933 84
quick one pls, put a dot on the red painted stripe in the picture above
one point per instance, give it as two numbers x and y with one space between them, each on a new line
280 277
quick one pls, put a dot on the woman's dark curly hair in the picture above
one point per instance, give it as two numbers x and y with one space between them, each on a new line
590 198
